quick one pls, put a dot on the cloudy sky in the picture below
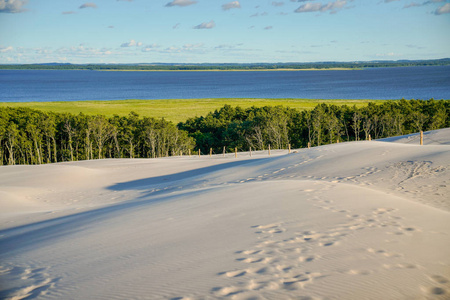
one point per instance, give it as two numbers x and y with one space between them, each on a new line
245 31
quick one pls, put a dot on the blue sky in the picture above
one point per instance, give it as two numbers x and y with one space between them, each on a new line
213 31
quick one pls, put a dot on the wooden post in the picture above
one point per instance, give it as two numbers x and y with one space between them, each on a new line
181 153
289 146
250 151
210 152
189 152
235 152
337 141
223 151
309 145
198 152
269 149
370 138
421 137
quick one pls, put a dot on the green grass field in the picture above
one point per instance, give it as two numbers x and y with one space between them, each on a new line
175 110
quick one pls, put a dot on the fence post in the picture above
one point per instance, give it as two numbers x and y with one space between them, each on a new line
250 151
309 145
269 150
370 138
198 152
235 152
337 141
181 153
421 137
189 152
210 152
223 151
289 146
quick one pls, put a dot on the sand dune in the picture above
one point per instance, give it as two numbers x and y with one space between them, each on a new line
359 220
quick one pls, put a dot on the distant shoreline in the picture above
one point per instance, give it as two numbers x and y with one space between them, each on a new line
237 70
215 67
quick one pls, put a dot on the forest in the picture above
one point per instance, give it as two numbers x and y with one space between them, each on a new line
30 136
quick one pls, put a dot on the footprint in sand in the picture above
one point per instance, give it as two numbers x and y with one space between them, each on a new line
359 272
308 258
439 279
24 282
227 291
328 244
385 253
436 291
236 273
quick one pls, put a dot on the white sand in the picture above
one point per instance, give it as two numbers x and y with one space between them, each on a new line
360 220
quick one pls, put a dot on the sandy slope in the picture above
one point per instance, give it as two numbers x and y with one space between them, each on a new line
361 220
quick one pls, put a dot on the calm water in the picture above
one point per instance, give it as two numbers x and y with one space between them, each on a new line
378 83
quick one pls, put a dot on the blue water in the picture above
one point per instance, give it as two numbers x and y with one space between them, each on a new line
376 83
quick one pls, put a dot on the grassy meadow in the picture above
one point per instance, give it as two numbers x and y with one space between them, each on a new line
175 110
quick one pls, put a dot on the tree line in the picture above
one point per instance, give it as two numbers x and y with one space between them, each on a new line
228 66
34 137
259 127
30 136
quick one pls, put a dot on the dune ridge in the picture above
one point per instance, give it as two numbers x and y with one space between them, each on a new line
357 220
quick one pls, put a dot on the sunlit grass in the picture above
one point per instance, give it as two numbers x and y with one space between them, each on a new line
175 110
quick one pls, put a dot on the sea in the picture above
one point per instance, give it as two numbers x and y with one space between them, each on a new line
372 83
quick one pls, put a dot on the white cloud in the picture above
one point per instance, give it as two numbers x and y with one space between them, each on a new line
415 46
12 6
389 54
388 1
131 43
234 4
68 12
88 5
81 51
190 47
227 46
333 7
260 14
412 4
180 3
206 25
149 48
6 49
277 3
415 4
445 9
